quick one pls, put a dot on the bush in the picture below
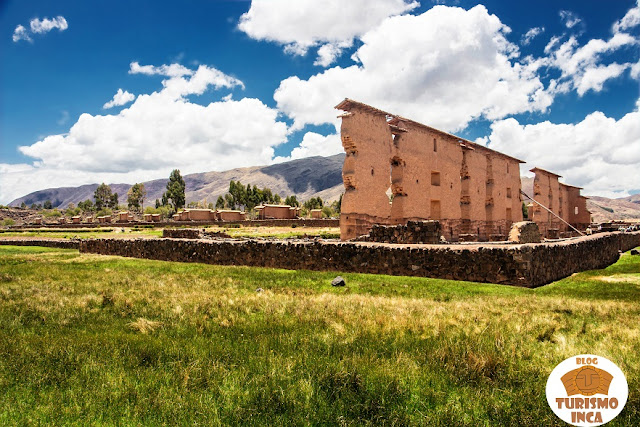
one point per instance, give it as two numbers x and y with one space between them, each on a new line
8 222
53 213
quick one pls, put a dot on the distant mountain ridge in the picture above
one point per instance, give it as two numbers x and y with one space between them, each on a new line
306 178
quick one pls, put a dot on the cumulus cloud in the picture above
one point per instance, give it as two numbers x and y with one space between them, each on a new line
171 70
178 85
314 144
301 24
599 153
328 53
581 65
444 67
21 33
569 18
157 133
631 19
120 98
39 26
531 34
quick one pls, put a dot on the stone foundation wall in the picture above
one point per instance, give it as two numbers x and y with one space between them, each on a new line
527 265
411 232
49 243
181 233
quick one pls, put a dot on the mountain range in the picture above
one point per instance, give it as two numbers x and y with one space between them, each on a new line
305 178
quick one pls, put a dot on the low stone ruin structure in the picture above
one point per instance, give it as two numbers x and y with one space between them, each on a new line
277 212
525 232
397 170
230 215
208 215
411 232
316 213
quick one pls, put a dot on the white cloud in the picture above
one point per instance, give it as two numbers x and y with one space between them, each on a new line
179 86
314 144
531 34
630 20
581 65
157 133
444 67
635 70
120 98
328 53
595 77
171 70
21 33
599 153
569 18
301 24
41 26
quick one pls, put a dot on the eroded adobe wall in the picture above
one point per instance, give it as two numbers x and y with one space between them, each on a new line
564 200
431 175
366 139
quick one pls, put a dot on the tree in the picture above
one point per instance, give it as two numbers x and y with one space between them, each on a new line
48 204
103 196
313 203
175 189
135 197
337 204
86 206
291 201
113 204
220 203
23 205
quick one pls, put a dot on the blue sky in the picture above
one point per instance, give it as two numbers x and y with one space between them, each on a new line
212 85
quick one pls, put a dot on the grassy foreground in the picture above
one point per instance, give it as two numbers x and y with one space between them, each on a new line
88 339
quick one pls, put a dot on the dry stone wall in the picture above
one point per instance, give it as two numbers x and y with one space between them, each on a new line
527 265
48 243
411 232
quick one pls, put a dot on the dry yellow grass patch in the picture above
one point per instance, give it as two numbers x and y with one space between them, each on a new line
145 326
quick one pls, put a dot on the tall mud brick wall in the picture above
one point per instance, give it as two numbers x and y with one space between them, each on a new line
565 201
397 170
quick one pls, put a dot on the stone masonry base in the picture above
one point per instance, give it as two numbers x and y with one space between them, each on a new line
528 265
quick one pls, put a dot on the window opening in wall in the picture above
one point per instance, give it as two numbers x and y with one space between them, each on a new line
576 210
508 192
509 214
435 179
435 145
371 171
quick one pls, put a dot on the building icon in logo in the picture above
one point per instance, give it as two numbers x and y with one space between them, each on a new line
587 381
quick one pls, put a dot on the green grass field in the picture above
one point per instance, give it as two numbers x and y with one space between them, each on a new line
99 340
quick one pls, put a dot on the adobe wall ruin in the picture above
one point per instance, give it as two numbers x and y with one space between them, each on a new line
562 199
397 170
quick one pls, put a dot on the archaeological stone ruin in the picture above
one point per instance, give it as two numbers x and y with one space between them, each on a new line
397 170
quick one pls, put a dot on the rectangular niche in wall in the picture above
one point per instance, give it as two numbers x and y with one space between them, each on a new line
435 209
435 179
